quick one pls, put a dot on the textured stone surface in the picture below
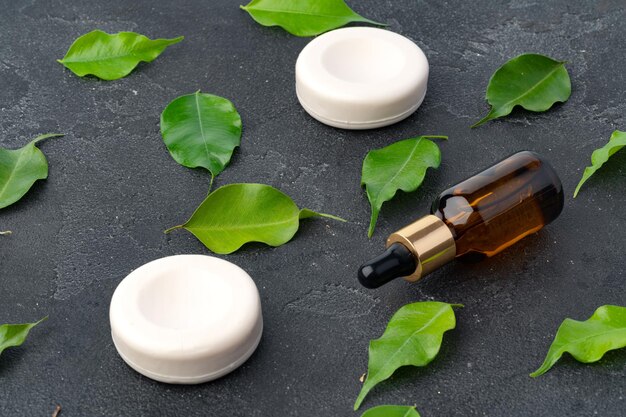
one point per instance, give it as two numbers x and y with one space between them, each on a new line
113 189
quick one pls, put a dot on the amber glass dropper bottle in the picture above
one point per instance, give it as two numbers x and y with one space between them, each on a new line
475 219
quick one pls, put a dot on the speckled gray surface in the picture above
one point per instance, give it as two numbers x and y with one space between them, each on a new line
113 189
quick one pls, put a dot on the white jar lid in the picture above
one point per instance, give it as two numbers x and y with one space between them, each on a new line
361 78
186 319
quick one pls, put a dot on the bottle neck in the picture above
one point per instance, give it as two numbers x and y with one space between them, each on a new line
431 243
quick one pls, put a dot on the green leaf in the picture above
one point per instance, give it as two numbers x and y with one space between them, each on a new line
587 341
413 337
240 213
304 17
14 334
532 81
399 166
601 155
201 130
20 168
111 57
391 411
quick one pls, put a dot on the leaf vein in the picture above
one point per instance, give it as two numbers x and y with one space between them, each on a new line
532 88
206 147
297 12
408 339
406 162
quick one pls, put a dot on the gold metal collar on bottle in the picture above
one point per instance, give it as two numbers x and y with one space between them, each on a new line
430 241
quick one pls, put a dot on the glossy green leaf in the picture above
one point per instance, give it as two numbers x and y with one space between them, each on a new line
413 337
14 334
111 57
601 155
236 214
20 168
399 166
391 411
587 341
201 130
304 17
532 81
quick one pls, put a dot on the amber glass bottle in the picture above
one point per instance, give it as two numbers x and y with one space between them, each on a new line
475 219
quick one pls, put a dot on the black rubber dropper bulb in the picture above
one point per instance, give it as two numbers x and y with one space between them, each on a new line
396 261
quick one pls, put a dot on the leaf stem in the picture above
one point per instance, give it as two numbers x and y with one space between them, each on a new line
46 136
306 213
180 226
373 220
6 233
330 216
211 183
485 119
435 137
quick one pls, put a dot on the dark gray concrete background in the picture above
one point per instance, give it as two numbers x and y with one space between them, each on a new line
113 189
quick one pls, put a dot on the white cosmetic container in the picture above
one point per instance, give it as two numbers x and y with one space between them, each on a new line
186 319
361 78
